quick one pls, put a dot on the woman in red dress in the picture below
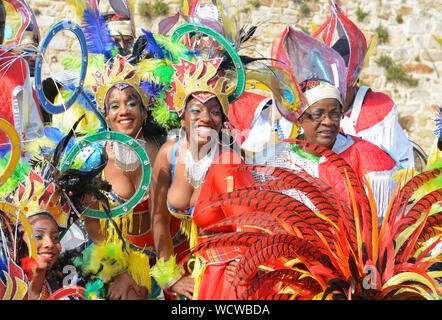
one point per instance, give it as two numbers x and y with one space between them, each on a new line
191 168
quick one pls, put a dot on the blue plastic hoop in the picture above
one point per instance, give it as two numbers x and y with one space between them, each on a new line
73 27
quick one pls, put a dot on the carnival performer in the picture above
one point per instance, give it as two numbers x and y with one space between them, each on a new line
214 15
120 27
194 166
370 115
18 104
22 36
320 124
47 237
50 200
291 49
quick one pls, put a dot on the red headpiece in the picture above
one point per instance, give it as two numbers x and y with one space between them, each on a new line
339 27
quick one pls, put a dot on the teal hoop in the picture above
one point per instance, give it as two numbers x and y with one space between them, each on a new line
145 170
239 66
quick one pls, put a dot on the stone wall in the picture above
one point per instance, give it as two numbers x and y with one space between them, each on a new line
410 25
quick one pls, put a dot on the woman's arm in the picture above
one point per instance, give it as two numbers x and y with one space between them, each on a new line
160 216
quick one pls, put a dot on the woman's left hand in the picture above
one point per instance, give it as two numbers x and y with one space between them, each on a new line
121 286
232 270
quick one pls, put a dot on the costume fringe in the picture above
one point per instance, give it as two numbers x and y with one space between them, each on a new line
190 230
197 273
124 223
138 266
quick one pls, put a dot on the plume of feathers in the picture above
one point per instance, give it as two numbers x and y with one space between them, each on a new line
333 252
98 36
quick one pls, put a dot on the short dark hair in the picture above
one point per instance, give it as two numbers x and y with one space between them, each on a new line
343 48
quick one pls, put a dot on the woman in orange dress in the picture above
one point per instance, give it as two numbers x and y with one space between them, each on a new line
188 169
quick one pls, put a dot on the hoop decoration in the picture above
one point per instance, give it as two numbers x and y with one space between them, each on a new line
14 138
16 214
239 66
145 170
68 291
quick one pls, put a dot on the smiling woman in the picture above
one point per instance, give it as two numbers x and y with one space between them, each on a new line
47 239
125 107
320 124
195 166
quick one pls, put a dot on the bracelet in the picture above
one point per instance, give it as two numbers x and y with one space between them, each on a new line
172 282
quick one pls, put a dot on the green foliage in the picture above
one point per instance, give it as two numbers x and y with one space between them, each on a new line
405 122
399 18
383 34
155 9
394 71
360 15
305 9
254 3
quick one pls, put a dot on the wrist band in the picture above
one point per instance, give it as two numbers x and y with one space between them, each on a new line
166 273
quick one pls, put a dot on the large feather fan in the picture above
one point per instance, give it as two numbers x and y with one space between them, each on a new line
339 251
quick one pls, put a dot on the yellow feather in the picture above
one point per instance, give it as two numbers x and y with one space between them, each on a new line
79 6
370 50
410 276
405 235
439 40
185 8
139 268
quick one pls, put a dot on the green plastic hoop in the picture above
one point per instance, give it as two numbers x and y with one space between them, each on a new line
239 66
145 170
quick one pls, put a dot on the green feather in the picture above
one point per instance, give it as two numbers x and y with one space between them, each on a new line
163 116
20 173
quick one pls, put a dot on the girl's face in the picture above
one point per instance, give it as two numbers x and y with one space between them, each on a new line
47 239
125 112
202 121
321 122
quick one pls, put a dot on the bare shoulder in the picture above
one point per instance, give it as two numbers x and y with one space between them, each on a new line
164 154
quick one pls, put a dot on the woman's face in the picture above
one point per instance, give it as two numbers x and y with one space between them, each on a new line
47 239
320 122
125 112
202 121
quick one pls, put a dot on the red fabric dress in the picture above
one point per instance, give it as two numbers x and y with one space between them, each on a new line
374 117
215 283
364 157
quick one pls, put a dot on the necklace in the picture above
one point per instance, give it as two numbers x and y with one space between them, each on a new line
195 170
125 157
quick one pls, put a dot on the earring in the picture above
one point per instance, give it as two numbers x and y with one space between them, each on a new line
182 133
225 132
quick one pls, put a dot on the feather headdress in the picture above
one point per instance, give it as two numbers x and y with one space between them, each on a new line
345 37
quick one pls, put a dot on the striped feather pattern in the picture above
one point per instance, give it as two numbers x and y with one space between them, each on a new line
331 248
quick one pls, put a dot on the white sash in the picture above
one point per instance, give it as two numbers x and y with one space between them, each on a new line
349 123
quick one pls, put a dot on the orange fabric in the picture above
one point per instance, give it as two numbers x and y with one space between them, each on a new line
216 285
220 178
